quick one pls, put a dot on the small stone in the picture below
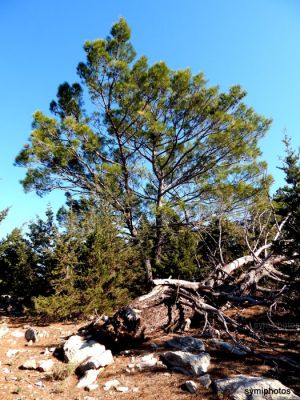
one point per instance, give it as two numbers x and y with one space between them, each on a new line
17 334
186 343
131 365
135 390
88 379
186 363
3 330
98 361
77 350
123 389
12 352
39 384
52 349
113 383
243 387
146 361
89 398
191 386
92 387
6 370
45 365
29 364
46 352
31 335
205 380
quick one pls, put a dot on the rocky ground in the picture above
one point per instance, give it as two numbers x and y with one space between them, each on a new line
153 382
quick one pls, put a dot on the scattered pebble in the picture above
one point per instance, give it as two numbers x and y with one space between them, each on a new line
39 384
191 386
17 334
113 383
29 364
45 365
205 380
12 352
92 386
6 370
123 389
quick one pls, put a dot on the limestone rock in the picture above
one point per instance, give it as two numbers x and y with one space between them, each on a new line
92 387
187 363
146 361
76 349
191 386
17 334
186 343
98 361
205 380
123 389
88 378
45 365
29 364
12 352
31 334
244 387
3 330
113 383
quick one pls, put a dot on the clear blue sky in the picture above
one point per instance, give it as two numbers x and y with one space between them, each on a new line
254 43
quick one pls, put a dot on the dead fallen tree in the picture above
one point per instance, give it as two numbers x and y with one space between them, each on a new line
172 304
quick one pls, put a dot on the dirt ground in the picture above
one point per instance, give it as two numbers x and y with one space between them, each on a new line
155 384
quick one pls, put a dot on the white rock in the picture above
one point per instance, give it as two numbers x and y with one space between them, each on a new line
123 389
205 380
6 370
45 365
191 386
113 383
77 350
92 387
17 334
39 384
12 352
147 361
29 364
46 352
98 361
187 363
243 387
3 330
89 378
